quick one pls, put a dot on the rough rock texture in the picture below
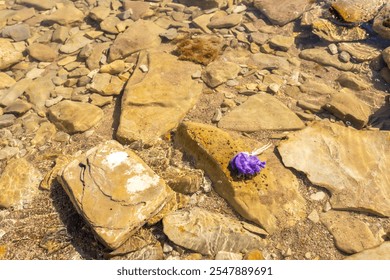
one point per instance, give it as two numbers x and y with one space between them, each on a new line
349 108
73 117
381 252
134 39
205 4
357 11
322 57
351 235
75 43
14 92
360 52
8 54
284 12
6 81
114 191
67 15
268 61
106 84
39 90
381 22
226 21
138 8
208 233
38 4
332 32
218 72
42 52
261 112
352 81
270 199
155 102
351 164
18 183
18 32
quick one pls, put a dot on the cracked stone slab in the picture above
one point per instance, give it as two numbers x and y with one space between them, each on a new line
271 199
114 191
209 233
353 165
153 103
350 234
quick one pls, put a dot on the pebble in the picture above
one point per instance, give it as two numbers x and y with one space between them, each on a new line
314 217
217 115
318 196
232 83
167 248
308 255
197 74
144 68
333 49
344 56
327 207
273 88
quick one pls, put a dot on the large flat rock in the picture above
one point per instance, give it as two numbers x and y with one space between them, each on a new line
38 4
208 233
155 102
348 107
138 36
381 252
269 199
353 165
114 191
282 11
261 112
351 235
73 117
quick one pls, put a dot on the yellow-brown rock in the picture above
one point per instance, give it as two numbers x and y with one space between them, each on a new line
134 39
357 11
72 117
208 233
8 54
381 252
114 191
274 115
351 235
270 199
331 32
155 102
353 165
18 183
254 255
348 107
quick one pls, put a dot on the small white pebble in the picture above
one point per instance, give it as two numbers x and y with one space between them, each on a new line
144 68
